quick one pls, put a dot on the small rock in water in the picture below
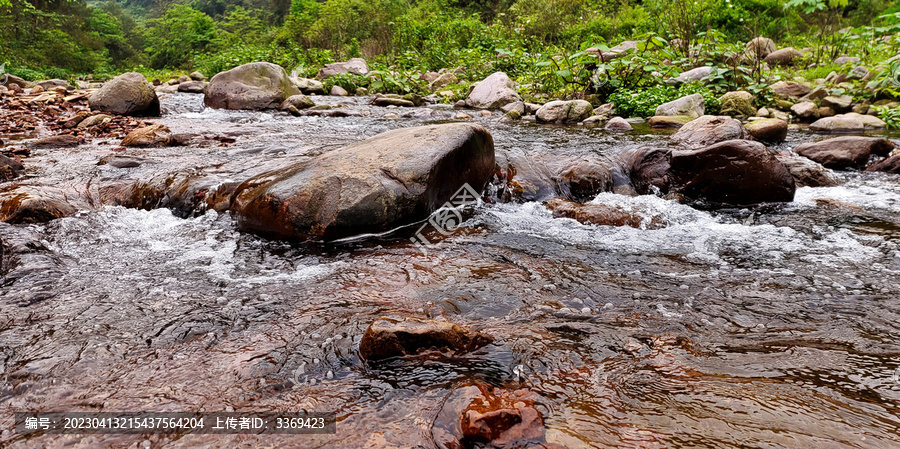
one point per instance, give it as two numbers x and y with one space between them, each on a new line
387 338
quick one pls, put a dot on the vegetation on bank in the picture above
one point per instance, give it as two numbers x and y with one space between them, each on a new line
540 43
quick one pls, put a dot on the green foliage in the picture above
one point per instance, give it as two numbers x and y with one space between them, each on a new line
891 116
181 32
643 102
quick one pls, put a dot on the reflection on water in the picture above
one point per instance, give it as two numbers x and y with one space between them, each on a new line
759 328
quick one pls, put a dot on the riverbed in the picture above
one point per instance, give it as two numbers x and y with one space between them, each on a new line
767 327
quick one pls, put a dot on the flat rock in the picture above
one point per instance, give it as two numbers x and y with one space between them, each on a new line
32 204
148 136
386 338
356 66
708 130
790 89
837 124
845 152
784 56
692 75
193 87
58 141
673 121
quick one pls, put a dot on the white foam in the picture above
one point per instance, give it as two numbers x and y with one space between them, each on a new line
696 236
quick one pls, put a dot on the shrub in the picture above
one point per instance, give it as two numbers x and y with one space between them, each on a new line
643 102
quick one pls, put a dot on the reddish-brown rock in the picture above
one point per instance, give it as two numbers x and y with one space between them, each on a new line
386 338
845 152
734 172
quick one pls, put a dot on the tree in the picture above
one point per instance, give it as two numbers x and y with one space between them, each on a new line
179 33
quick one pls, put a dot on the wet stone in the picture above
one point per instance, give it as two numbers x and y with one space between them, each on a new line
386 338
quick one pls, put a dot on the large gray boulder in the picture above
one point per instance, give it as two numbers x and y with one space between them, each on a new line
254 86
494 92
356 66
837 124
790 89
559 111
126 94
390 180
691 106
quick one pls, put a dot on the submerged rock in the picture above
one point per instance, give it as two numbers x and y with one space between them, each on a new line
393 179
148 136
481 416
603 214
10 168
386 338
845 152
576 178
254 86
126 94
31 204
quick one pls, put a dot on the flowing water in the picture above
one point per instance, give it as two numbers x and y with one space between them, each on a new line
771 327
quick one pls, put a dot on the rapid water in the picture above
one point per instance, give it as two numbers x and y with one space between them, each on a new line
771 327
